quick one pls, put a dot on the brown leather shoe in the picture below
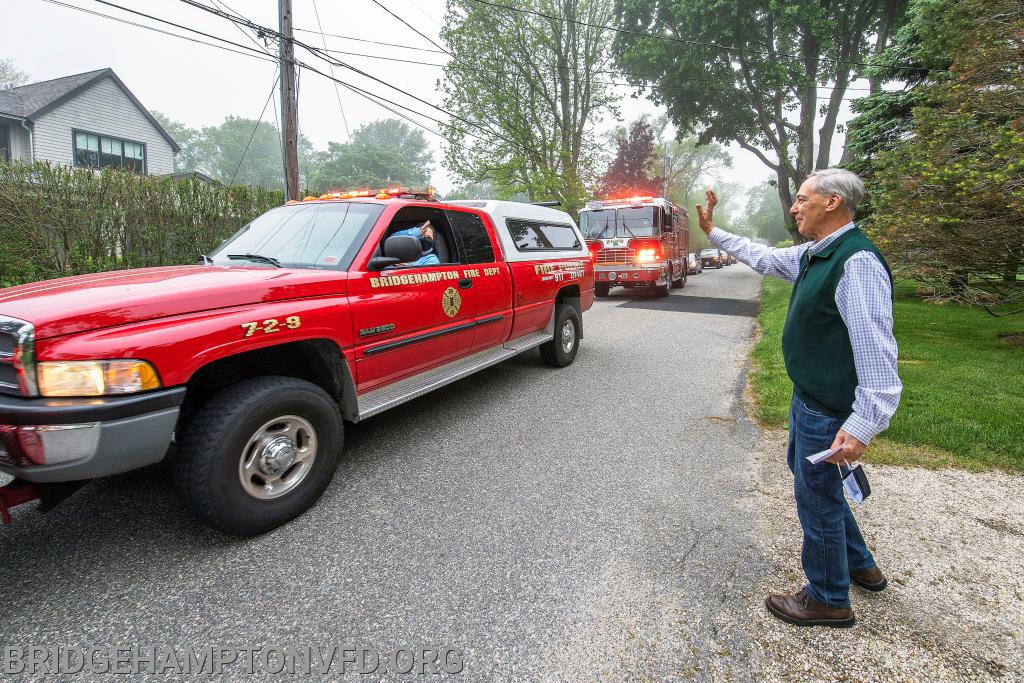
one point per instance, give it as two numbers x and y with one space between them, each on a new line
803 610
872 579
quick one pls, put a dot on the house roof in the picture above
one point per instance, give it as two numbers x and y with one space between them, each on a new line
35 99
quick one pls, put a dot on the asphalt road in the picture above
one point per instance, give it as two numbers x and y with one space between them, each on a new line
577 524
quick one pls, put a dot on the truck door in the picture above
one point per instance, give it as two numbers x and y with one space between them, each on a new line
410 319
486 281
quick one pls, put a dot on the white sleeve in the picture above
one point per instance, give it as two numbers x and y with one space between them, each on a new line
781 263
864 299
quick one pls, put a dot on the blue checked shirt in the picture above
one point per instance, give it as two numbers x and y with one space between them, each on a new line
864 299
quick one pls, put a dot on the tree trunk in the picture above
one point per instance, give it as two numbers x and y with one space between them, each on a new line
882 37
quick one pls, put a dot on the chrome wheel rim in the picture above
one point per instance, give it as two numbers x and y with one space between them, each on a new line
278 457
568 336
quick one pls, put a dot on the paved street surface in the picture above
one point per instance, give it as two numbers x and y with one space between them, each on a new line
579 524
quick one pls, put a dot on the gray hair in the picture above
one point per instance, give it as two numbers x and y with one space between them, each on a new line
838 181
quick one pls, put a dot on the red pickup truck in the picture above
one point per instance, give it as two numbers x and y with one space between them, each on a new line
312 314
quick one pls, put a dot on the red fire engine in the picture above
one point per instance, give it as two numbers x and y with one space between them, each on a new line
637 242
323 311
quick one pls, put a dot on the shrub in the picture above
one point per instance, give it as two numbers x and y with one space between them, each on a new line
57 221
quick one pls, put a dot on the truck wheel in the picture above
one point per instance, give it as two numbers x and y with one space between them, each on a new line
601 289
561 350
681 282
259 454
662 290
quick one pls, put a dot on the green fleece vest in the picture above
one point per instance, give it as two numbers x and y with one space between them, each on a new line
815 341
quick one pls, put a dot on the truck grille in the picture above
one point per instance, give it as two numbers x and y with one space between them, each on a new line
615 256
8 375
16 336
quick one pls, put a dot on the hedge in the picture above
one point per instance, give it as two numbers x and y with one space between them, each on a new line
57 221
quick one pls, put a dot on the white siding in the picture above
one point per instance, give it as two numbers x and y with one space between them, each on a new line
19 139
103 108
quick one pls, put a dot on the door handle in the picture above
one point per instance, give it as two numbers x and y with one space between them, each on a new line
465 283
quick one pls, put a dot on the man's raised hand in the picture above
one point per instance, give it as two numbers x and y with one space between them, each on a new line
706 216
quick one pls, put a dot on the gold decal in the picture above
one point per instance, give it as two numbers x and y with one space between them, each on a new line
451 302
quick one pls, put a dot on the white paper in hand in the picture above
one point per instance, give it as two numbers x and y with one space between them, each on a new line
818 457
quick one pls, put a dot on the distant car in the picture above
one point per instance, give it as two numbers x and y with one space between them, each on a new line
711 258
694 264
728 259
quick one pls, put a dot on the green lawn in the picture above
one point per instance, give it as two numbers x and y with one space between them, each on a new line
963 386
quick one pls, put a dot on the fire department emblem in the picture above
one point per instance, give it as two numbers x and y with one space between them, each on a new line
451 302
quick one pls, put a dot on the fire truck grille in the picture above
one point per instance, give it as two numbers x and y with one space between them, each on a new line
615 256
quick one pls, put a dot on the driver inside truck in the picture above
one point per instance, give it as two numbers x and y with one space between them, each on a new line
425 234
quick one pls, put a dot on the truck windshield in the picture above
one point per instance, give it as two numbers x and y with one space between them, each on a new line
626 222
310 235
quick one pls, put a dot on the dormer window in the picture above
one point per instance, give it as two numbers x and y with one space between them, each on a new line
102 151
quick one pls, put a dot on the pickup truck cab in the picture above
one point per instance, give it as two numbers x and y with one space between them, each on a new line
307 317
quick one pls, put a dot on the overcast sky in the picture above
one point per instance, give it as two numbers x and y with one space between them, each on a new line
200 85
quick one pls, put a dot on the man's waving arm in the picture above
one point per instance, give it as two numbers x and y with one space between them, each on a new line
780 263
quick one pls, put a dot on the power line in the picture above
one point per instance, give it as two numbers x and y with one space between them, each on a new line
184 28
158 30
277 77
575 80
372 42
326 57
416 30
242 30
251 54
685 41
331 68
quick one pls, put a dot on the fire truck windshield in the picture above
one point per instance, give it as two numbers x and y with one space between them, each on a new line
311 235
625 222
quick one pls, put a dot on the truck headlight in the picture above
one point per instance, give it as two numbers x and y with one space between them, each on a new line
648 256
95 377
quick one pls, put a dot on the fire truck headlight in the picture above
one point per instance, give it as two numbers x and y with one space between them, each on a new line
95 377
647 255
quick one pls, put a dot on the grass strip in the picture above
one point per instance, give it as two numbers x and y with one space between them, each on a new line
963 383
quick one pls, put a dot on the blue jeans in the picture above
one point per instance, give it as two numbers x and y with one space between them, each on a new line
833 545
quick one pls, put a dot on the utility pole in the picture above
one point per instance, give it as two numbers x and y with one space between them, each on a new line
289 103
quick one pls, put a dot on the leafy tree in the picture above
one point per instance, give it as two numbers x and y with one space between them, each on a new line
693 165
225 153
949 201
630 170
920 54
526 95
483 190
384 152
750 70
764 215
192 155
10 73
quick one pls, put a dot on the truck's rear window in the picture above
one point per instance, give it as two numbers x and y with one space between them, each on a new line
537 236
312 235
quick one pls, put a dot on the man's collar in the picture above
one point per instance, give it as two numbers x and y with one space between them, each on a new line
817 247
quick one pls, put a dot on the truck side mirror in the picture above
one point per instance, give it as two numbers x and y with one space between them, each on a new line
405 248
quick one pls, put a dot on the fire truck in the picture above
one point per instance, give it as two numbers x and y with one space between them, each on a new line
325 311
637 242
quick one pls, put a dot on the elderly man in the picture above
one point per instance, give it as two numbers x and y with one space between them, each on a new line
840 354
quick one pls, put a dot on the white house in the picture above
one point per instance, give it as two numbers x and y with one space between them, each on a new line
88 120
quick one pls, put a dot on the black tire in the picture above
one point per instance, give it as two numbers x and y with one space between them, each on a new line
555 352
210 460
681 282
662 290
719 266
601 289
